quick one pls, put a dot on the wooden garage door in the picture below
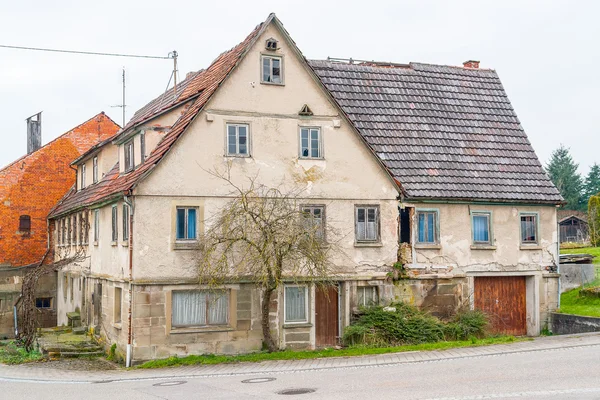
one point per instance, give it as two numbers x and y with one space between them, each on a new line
503 299
326 316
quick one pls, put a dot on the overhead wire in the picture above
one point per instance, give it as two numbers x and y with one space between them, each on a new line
86 52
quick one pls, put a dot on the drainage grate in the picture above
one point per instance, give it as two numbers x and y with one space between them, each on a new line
297 391
170 383
258 380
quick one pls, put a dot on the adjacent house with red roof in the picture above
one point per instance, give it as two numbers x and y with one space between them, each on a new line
421 166
29 188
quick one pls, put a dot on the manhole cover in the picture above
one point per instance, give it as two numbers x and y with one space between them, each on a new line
171 383
297 391
258 380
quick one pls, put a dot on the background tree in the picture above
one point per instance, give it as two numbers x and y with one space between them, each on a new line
263 237
594 220
562 171
591 186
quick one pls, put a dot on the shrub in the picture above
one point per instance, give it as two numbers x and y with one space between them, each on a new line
466 324
594 219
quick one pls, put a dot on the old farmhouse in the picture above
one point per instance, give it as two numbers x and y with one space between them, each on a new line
425 168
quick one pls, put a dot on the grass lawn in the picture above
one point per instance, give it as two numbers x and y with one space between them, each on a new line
571 302
594 251
324 353
10 353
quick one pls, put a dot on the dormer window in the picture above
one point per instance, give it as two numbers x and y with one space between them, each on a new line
82 176
95 170
128 156
272 70
271 44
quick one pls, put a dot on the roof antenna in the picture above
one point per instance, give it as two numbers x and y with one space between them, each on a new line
122 105
174 55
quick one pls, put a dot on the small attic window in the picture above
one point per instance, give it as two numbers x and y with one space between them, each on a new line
305 111
25 224
271 44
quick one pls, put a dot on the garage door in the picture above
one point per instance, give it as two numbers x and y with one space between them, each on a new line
503 299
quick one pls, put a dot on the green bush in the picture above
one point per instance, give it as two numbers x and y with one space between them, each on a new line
594 219
466 324
11 353
408 325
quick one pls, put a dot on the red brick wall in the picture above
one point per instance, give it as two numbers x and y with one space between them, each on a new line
34 184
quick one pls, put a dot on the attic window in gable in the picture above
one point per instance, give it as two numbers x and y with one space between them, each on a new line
305 111
272 70
271 44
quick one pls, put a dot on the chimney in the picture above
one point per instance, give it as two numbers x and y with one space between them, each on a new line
34 132
471 64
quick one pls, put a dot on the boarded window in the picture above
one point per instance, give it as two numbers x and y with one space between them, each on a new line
529 229
296 304
186 223
199 308
367 223
24 224
310 143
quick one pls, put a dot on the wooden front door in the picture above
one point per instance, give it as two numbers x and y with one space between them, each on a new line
326 316
503 299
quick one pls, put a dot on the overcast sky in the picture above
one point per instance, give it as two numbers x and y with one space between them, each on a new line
547 54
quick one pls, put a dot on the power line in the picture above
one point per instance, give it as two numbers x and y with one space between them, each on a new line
170 56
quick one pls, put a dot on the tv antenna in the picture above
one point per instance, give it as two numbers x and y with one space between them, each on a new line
122 105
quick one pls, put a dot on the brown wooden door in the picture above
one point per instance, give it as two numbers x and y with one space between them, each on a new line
326 316
503 299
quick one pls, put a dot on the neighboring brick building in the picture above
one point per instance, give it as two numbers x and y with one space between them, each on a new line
29 188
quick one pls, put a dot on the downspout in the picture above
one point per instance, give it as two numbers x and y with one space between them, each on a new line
129 355
558 258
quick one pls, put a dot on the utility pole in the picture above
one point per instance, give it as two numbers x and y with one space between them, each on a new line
123 105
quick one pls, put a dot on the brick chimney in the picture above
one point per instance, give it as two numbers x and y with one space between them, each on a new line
34 132
471 64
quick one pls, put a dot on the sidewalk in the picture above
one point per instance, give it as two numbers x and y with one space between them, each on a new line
39 373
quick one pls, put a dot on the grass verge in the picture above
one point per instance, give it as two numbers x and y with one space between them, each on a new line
10 353
572 303
594 251
353 351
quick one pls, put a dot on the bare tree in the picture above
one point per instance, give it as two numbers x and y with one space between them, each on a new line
263 236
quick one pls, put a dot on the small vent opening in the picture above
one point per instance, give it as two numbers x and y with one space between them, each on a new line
306 111
271 44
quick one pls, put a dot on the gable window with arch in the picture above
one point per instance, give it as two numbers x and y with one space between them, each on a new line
311 144
367 223
272 69
238 140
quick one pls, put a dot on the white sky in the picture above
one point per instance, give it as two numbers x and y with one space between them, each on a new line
547 54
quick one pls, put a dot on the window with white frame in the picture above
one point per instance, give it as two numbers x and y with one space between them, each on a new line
367 223
311 143
186 223
95 170
529 228
128 156
427 227
238 140
314 219
115 223
199 308
481 225
296 304
272 69
96 225
367 296
83 176
125 222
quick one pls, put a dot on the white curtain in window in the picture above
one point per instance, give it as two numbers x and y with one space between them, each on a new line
295 303
218 305
188 308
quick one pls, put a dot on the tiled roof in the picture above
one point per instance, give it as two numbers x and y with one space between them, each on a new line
203 84
442 132
564 215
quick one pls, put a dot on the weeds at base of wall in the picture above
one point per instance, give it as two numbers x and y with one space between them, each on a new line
11 353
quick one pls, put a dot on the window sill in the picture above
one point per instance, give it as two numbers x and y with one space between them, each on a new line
368 244
237 156
428 246
311 158
117 325
482 247
291 325
191 245
95 243
113 243
125 243
207 329
530 247
272 83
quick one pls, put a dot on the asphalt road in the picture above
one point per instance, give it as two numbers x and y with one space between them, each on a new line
572 373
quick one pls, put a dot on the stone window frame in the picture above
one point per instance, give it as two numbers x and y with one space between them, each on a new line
177 244
307 293
231 325
249 140
117 307
271 56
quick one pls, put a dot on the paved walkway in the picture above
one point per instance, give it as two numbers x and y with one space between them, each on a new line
41 373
